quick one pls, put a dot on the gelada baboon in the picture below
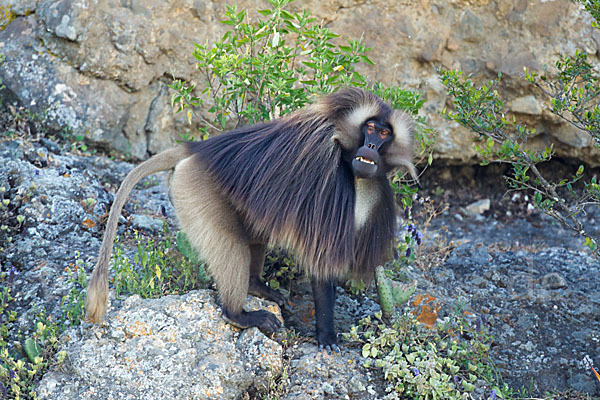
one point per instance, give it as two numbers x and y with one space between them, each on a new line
313 182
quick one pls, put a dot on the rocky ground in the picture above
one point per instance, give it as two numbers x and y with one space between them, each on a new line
528 282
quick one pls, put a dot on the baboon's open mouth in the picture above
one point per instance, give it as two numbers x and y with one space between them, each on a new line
365 160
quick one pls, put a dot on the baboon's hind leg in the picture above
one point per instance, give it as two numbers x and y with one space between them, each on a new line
256 285
214 229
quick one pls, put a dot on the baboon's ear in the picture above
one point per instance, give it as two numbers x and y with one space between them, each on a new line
345 141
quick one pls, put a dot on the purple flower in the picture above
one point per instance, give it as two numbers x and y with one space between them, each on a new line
408 252
419 238
493 395
416 371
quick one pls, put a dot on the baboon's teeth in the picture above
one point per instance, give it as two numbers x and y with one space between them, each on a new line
365 160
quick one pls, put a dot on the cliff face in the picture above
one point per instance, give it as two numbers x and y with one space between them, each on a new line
101 67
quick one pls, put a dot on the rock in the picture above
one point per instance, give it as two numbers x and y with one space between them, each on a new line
478 207
526 105
572 136
452 44
146 223
172 347
19 7
50 145
470 27
584 383
565 319
554 280
319 375
96 109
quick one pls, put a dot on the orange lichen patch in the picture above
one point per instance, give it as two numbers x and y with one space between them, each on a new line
129 363
426 309
171 337
88 223
423 299
275 310
428 315
139 329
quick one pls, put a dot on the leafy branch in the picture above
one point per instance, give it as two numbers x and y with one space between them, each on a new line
503 140
574 93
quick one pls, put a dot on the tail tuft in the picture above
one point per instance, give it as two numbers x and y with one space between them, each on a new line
97 295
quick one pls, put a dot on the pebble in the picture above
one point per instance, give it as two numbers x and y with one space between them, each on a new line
146 223
478 207
554 280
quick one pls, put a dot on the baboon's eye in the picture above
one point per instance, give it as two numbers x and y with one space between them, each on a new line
384 133
370 127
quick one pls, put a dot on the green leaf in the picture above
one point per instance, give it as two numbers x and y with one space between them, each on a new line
287 15
310 64
367 60
273 284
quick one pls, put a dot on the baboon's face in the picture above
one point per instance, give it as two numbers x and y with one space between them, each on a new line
374 138
367 162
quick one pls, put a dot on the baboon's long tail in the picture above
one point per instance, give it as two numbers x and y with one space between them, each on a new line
97 291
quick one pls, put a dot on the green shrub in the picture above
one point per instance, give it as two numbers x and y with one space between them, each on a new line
274 65
572 94
73 303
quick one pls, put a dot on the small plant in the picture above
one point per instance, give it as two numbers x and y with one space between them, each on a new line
280 269
11 222
157 268
73 303
424 363
391 293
